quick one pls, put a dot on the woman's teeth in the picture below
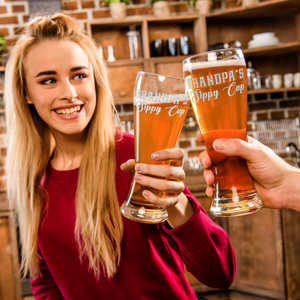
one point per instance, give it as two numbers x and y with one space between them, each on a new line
68 111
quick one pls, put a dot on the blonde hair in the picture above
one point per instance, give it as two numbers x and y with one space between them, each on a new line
99 226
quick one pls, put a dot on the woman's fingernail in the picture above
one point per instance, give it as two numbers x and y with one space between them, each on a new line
138 177
219 144
145 194
121 167
154 156
138 168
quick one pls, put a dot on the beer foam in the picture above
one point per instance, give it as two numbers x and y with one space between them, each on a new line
190 66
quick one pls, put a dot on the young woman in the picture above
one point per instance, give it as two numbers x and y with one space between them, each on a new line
66 173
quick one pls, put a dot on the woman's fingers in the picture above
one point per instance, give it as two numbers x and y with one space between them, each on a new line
175 155
174 187
163 171
128 166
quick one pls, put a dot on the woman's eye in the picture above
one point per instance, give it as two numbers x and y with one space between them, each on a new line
80 76
48 81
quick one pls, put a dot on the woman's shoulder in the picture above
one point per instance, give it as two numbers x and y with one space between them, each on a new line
124 138
124 145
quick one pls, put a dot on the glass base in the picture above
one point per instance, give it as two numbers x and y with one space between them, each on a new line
143 214
229 207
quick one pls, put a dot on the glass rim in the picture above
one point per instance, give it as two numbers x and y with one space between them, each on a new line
156 74
238 50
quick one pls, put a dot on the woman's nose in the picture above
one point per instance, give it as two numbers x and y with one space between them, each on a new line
67 92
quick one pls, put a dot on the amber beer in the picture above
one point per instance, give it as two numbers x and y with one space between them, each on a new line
160 107
157 127
218 94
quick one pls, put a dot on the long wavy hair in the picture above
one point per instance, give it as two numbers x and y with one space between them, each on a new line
99 226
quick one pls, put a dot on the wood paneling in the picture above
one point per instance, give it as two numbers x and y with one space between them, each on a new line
291 234
10 288
122 80
257 241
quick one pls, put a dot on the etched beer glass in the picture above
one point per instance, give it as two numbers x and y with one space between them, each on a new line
160 107
217 88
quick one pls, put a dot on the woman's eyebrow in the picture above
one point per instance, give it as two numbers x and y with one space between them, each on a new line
45 73
79 68
54 72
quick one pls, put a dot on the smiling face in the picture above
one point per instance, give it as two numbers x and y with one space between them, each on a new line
60 84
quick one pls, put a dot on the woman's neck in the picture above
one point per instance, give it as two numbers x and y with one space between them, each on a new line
68 152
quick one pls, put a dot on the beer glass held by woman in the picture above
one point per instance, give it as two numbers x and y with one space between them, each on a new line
65 183
276 182
160 105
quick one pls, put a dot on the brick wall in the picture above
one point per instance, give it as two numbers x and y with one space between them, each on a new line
14 13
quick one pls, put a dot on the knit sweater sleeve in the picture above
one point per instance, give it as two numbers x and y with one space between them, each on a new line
44 287
205 248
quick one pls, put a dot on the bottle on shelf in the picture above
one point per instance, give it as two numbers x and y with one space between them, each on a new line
250 75
134 42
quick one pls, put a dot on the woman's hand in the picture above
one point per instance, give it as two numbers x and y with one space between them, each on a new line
178 206
275 181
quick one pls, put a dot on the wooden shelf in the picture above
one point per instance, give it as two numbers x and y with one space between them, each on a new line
263 91
172 18
169 59
125 62
123 100
261 10
279 49
140 61
138 20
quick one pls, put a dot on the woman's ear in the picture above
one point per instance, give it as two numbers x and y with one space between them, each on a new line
26 96
28 100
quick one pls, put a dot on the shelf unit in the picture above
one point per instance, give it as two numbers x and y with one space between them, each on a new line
262 9
122 72
264 91
279 16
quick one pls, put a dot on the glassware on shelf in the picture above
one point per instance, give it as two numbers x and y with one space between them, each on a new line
171 45
157 48
250 75
257 81
277 81
268 82
110 53
185 45
297 80
100 49
134 43
288 80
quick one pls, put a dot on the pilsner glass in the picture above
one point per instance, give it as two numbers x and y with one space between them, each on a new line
217 87
160 108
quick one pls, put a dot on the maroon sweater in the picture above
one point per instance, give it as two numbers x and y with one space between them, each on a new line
153 256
